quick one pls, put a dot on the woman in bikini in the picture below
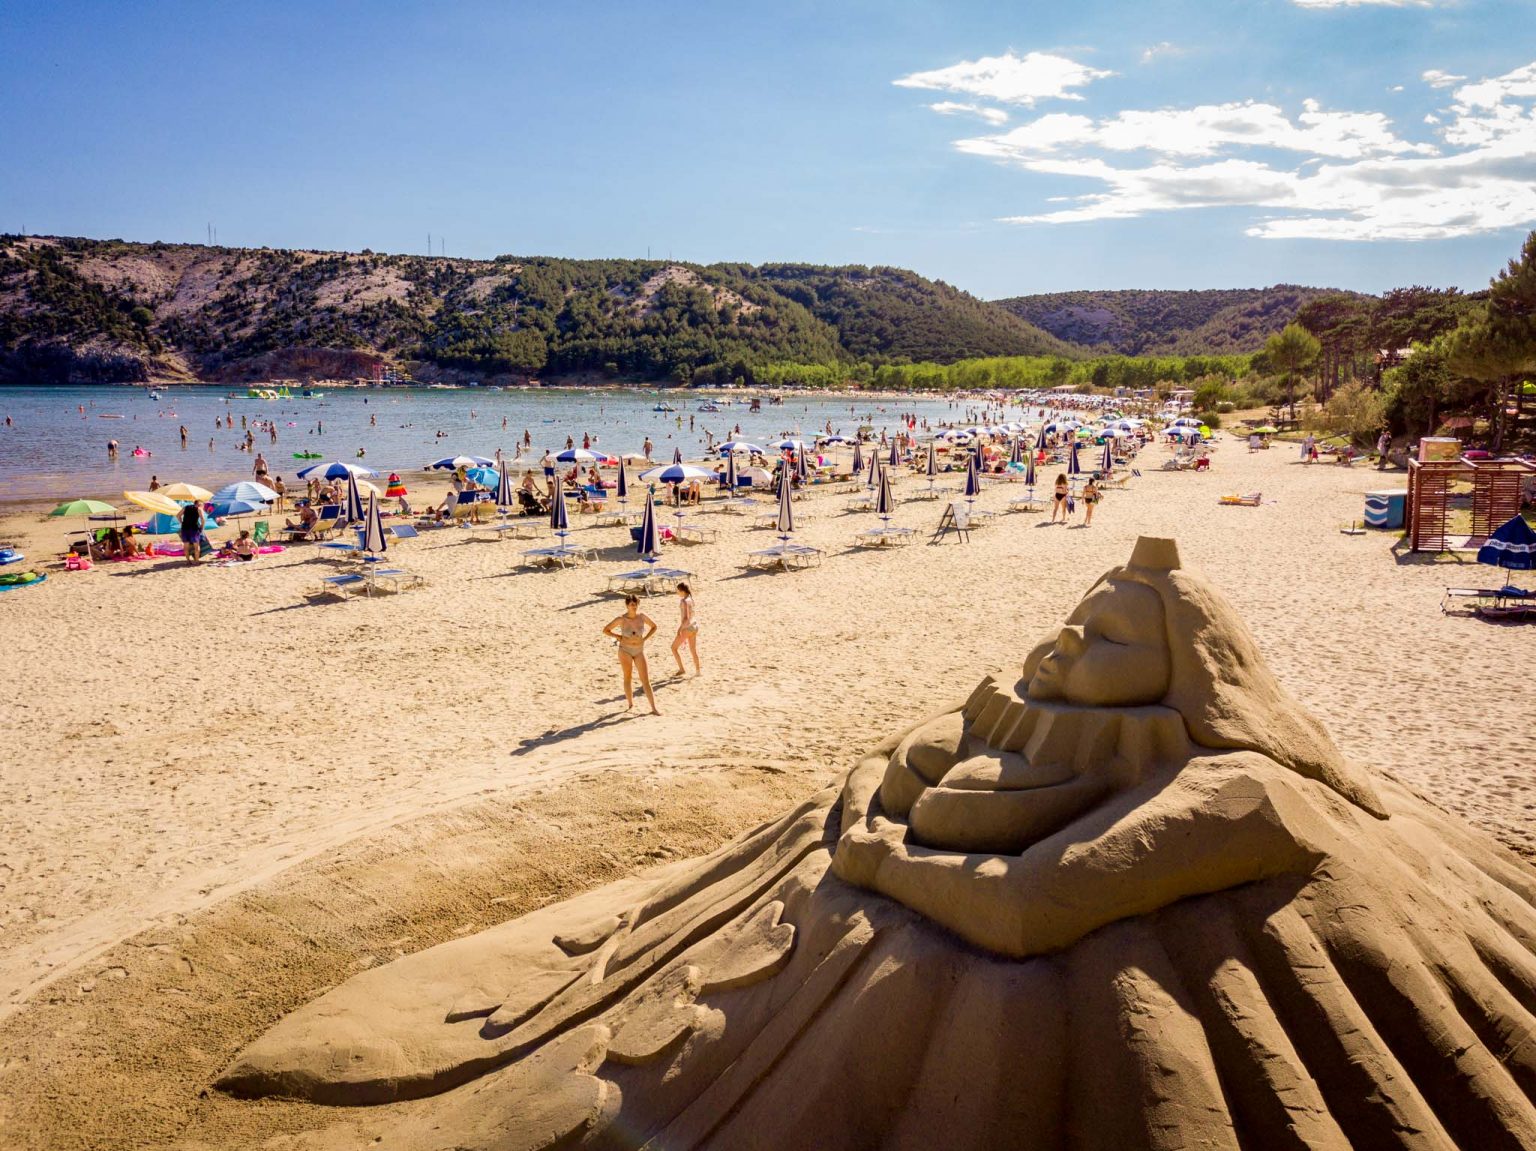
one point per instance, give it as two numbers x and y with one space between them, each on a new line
1091 497
632 630
687 630
1059 506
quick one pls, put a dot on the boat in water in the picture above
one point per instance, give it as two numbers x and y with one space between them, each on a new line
663 408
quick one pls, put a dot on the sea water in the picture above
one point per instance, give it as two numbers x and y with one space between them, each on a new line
56 445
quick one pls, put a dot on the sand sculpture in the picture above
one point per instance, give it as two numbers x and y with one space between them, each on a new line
1136 898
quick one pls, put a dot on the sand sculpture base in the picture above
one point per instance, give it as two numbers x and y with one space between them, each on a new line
1026 922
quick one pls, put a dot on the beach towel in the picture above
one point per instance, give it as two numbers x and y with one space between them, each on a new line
20 579
10 556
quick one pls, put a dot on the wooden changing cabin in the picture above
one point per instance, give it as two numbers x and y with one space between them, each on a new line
1496 486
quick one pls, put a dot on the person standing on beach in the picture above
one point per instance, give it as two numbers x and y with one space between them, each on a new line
1307 447
631 630
1059 500
191 532
1383 445
687 630
1091 497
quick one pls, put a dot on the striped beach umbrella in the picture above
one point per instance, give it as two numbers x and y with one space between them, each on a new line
872 477
933 463
559 517
622 491
1073 467
895 457
374 541
1107 463
505 496
354 507
858 459
972 480
802 468
786 521
730 475
647 543
1040 440
885 501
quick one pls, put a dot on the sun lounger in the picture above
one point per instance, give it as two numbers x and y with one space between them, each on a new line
395 579
647 581
1029 503
618 517
862 502
1251 500
342 586
696 533
737 506
1507 596
403 532
785 556
557 557
885 537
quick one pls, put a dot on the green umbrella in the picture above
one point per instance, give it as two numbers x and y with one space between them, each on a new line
82 508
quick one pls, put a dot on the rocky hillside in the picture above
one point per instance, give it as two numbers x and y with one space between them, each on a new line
1167 323
110 310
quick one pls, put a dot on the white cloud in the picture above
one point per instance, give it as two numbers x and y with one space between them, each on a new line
1162 48
951 108
1435 78
1317 174
1009 79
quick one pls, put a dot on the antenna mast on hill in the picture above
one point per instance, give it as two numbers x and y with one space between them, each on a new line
429 245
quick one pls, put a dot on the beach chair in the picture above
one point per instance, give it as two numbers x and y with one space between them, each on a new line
320 529
955 519
403 532
886 537
1509 597
395 579
785 557
1251 500
341 586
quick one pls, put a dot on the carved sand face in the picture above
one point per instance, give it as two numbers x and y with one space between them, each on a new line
1114 653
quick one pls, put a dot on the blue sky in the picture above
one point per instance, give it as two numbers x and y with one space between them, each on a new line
1005 148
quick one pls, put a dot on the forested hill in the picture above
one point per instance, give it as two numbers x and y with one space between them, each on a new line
1167 323
109 310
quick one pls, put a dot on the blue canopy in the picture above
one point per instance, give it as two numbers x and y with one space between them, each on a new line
1512 546
485 477
223 508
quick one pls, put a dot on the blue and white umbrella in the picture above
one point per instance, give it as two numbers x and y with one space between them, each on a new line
374 541
731 447
858 459
885 502
334 470
578 456
354 506
647 543
786 520
840 440
559 517
972 480
787 445
222 508
1512 546
676 474
449 463
245 491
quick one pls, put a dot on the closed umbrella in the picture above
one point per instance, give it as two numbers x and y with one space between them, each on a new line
730 476
1073 467
622 491
677 455
505 497
870 476
858 459
1016 456
647 543
1108 461
885 502
972 480
1029 474
895 457
802 469
1040 440
374 541
933 463
353 510
786 520
559 517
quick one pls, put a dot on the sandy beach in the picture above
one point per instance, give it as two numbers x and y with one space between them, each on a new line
208 776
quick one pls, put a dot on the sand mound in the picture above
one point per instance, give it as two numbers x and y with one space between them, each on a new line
1135 899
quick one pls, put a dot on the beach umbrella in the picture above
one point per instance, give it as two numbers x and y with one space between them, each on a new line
338 469
559 517
677 454
1186 422
374 541
840 440
676 474
636 457
485 477
1016 455
786 520
222 508
885 502
1073 466
731 447
895 457
84 509
505 497
1266 430
353 508
787 445
446 464
730 476
153 502
1040 440
187 492
858 459
1108 461
244 491
577 456
1029 473
871 478
972 480
933 463
623 489
1512 546
647 542
802 468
